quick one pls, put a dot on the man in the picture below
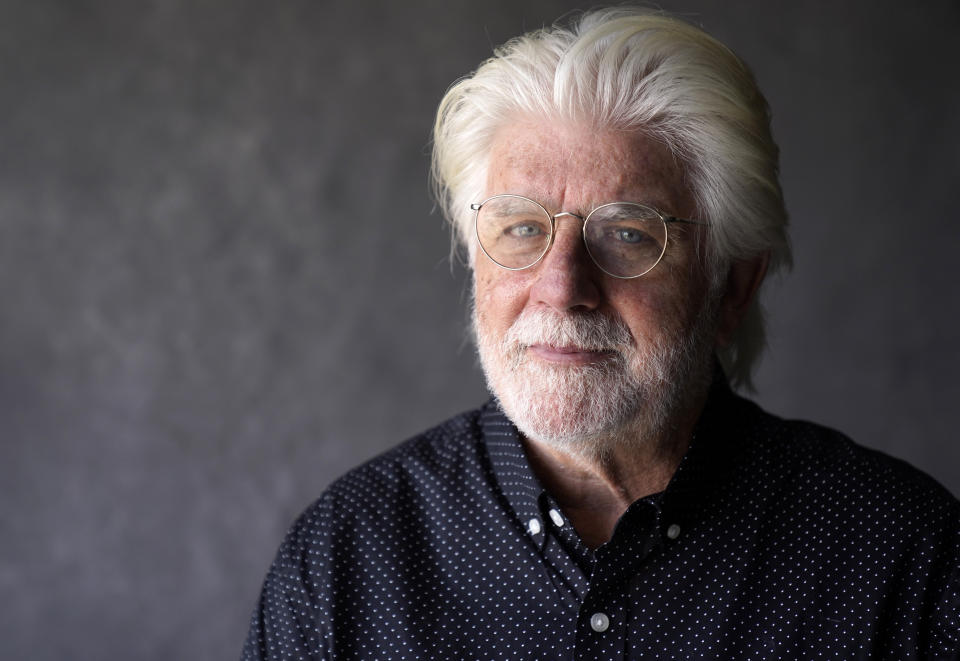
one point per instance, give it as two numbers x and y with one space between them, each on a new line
615 186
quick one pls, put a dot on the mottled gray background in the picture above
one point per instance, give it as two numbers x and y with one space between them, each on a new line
222 282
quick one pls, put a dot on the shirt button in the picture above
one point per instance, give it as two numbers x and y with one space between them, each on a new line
673 531
599 622
533 525
557 518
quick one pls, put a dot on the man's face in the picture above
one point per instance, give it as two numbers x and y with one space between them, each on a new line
574 354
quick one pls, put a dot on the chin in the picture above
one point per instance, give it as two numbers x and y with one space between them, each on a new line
574 408
632 397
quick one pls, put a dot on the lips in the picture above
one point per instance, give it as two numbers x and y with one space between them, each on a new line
568 354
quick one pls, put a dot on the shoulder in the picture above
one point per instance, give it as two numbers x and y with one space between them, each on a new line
368 528
824 469
437 454
422 472
858 516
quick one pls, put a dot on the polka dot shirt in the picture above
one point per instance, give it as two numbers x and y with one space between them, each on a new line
774 540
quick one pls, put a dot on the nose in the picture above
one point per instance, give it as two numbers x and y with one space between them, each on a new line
566 277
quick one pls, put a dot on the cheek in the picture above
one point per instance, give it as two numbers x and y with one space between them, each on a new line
482 285
499 296
655 309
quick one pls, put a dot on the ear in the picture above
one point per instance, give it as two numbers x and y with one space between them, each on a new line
743 280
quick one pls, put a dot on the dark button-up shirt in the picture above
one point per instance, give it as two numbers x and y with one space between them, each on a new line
774 539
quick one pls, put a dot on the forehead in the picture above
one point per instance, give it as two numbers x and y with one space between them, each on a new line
575 167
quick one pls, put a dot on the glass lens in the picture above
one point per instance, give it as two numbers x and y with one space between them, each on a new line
624 239
513 231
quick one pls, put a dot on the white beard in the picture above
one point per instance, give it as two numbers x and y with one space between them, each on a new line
632 397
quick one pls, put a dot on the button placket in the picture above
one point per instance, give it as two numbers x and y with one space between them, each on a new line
600 630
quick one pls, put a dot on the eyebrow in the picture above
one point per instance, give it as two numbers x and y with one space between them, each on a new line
512 207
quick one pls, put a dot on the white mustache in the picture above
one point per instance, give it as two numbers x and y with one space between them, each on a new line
587 331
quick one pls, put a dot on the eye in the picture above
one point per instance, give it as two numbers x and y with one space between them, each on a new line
630 235
524 230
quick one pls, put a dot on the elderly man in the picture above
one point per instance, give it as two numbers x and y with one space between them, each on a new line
615 186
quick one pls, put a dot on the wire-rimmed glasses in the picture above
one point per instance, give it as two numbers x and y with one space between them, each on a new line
624 239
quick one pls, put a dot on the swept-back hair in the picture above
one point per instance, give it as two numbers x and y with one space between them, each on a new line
633 69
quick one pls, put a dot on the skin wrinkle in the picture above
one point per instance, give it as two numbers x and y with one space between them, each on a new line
620 181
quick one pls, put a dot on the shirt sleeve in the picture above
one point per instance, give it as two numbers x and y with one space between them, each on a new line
944 637
290 621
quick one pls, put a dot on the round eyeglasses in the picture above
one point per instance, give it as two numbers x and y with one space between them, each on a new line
624 239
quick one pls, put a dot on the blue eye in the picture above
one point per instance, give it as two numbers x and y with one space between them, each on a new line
524 230
630 235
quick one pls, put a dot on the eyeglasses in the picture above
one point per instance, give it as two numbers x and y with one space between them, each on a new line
624 239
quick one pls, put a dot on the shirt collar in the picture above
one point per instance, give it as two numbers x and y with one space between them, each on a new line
715 449
510 468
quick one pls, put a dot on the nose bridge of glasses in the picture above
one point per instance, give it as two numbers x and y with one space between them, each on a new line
565 214
568 213
576 238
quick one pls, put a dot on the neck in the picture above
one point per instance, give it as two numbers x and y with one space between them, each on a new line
595 487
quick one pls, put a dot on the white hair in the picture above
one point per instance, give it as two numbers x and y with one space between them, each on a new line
633 69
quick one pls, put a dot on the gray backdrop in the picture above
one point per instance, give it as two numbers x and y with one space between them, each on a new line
222 282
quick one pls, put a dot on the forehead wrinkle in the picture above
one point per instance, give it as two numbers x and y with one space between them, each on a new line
566 168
